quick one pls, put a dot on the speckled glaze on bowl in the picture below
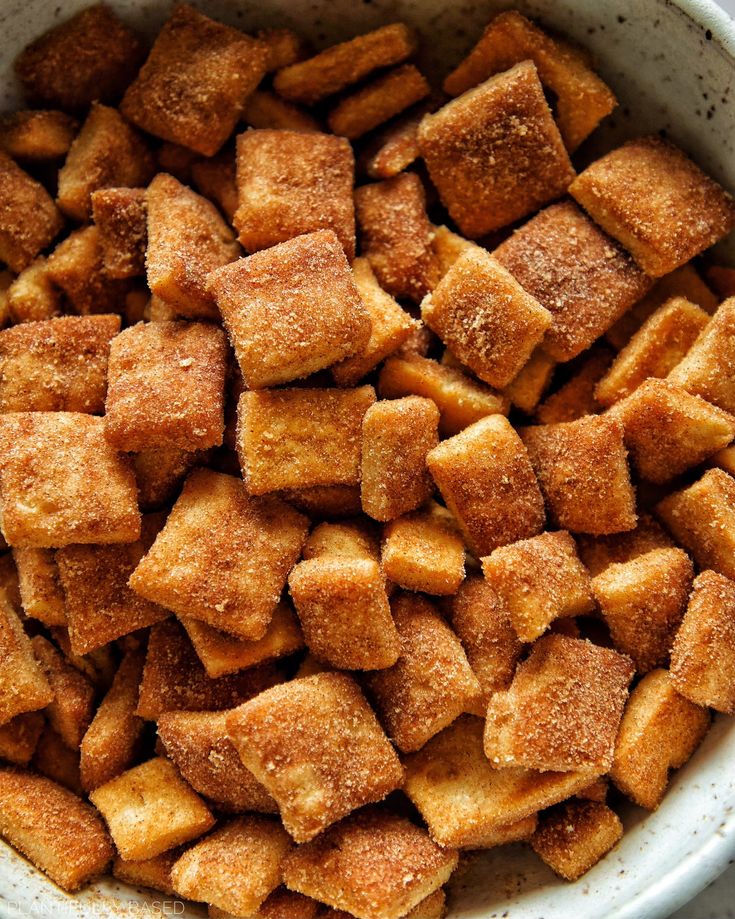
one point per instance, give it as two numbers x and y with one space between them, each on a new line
672 66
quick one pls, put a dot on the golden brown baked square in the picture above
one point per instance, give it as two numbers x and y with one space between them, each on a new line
574 837
120 216
29 219
37 135
377 101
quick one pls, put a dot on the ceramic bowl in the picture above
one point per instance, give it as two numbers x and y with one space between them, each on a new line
672 66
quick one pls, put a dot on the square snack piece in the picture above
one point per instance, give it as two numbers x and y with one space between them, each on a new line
539 580
120 216
495 153
58 365
61 482
583 277
77 268
195 82
23 685
582 99
488 483
374 865
32 297
290 183
599 552
154 873
91 56
669 430
159 474
187 238
562 710
660 730
703 656
167 387
56 761
265 109
223 556
337 761
574 837
291 310
37 135
643 602
150 809
29 219
58 832
72 709
397 434
214 178
531 382
212 869
484 316
654 200
702 520
430 685
19 737
295 438
583 472
396 235
106 153
575 398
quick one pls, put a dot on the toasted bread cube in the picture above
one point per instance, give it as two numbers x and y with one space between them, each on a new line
211 870
495 153
396 146
198 745
150 872
379 100
654 350
22 681
291 310
531 382
57 762
329 502
562 710
19 737
539 580
266 110
61 482
582 98
374 865
573 838
29 219
120 216
486 318
283 904
72 708
391 327
150 809
91 56
221 653
61 834
449 246
292 438
160 473
396 437
461 400
166 387
396 235
77 267
37 135
702 520
583 472
290 183
112 740
576 398
194 84
106 153
342 65
660 730
32 297
584 278
668 430
348 539
98 666
599 552
423 551
643 602
59 365
285 47
223 556
430 685
655 201
214 178
187 238
703 655
339 759
707 368
488 483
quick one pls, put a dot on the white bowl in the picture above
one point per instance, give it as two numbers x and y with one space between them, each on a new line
672 65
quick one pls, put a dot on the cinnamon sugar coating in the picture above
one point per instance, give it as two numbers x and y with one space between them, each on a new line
377 101
32 297
654 200
320 502
562 710
339 760
495 153
37 135
77 268
532 380
214 178
24 685
374 865
72 708
19 738
572 839
356 538
486 478
120 216
56 761
395 147
154 873
708 369
194 84
56 365
290 183
597 552
291 310
159 474
576 397
584 278
29 219
265 109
